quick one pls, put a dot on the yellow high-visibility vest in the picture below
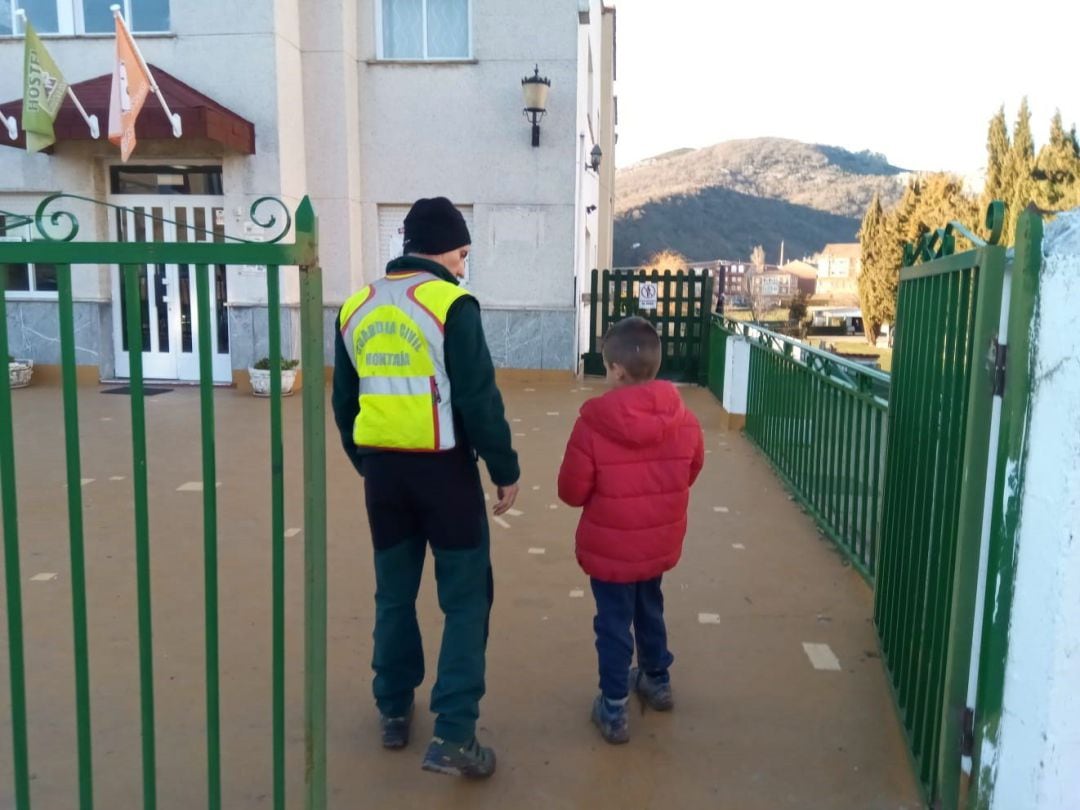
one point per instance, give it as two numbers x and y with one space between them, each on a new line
394 330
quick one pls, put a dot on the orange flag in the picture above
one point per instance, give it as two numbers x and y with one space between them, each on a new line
131 84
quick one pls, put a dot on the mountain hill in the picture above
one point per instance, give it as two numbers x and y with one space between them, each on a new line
720 201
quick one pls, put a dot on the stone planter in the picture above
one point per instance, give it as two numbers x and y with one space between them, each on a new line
260 381
20 372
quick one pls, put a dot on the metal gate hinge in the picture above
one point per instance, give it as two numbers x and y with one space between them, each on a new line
1000 354
967 732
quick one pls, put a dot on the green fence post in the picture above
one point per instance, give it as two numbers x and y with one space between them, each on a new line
210 538
958 660
75 536
314 402
13 576
142 535
277 533
1008 496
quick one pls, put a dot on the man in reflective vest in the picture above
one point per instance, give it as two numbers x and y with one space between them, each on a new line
416 403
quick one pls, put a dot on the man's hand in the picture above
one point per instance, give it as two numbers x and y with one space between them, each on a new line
507 496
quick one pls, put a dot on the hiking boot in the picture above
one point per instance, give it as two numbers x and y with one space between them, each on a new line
610 717
655 692
471 760
395 730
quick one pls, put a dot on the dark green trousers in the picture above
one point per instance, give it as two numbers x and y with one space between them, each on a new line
464 581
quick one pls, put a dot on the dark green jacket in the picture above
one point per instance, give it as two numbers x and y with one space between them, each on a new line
479 416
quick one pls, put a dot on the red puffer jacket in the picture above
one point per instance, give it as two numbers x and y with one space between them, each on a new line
631 459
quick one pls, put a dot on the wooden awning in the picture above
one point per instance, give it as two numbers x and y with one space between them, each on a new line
202 117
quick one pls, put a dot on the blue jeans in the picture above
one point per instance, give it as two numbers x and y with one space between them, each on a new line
618 606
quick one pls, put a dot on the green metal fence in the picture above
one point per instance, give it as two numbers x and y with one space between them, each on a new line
948 378
822 421
54 244
681 317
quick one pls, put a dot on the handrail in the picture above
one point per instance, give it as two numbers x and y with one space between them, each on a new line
824 362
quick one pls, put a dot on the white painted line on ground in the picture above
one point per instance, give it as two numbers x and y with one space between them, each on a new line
537 551
822 656
86 481
536 487
193 486
289 533
577 593
553 506
530 390
116 478
514 512
552 413
708 452
44 577
721 509
536 430
519 435
573 390
106 419
708 618
738 546
501 522
586 388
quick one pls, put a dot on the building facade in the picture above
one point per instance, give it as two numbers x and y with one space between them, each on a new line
839 266
363 106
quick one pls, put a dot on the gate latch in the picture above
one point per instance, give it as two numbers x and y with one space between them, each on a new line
967 732
999 353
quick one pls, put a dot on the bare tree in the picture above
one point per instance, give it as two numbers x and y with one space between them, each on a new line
758 301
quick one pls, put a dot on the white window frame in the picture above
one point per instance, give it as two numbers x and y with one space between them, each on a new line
380 46
71 20
33 294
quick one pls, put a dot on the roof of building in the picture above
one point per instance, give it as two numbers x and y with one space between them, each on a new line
801 269
202 118
843 250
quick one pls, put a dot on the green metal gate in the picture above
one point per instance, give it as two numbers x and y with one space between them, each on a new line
54 244
945 407
681 317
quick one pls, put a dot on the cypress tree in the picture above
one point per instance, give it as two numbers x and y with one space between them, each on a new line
870 237
1057 169
997 155
1020 180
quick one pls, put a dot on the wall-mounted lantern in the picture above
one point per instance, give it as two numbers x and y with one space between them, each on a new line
595 156
536 89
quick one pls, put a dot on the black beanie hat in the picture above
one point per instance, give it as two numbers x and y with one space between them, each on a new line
434 226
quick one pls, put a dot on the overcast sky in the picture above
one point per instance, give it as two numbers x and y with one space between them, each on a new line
917 80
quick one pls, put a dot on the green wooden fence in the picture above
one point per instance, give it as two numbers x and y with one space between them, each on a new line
681 317
54 244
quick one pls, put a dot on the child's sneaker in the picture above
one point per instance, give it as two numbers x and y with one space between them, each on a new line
395 730
470 759
610 717
655 693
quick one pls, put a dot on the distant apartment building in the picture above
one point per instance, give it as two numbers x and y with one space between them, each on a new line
735 281
838 269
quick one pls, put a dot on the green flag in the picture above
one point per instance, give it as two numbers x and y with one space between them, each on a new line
44 89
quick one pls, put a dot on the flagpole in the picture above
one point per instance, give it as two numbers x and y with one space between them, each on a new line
91 120
177 128
9 125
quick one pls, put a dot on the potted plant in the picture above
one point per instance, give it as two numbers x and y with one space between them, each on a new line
19 372
260 377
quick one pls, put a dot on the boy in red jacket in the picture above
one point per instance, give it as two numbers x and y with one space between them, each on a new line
631 459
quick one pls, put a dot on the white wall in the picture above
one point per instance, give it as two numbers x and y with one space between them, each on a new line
1038 757
457 130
